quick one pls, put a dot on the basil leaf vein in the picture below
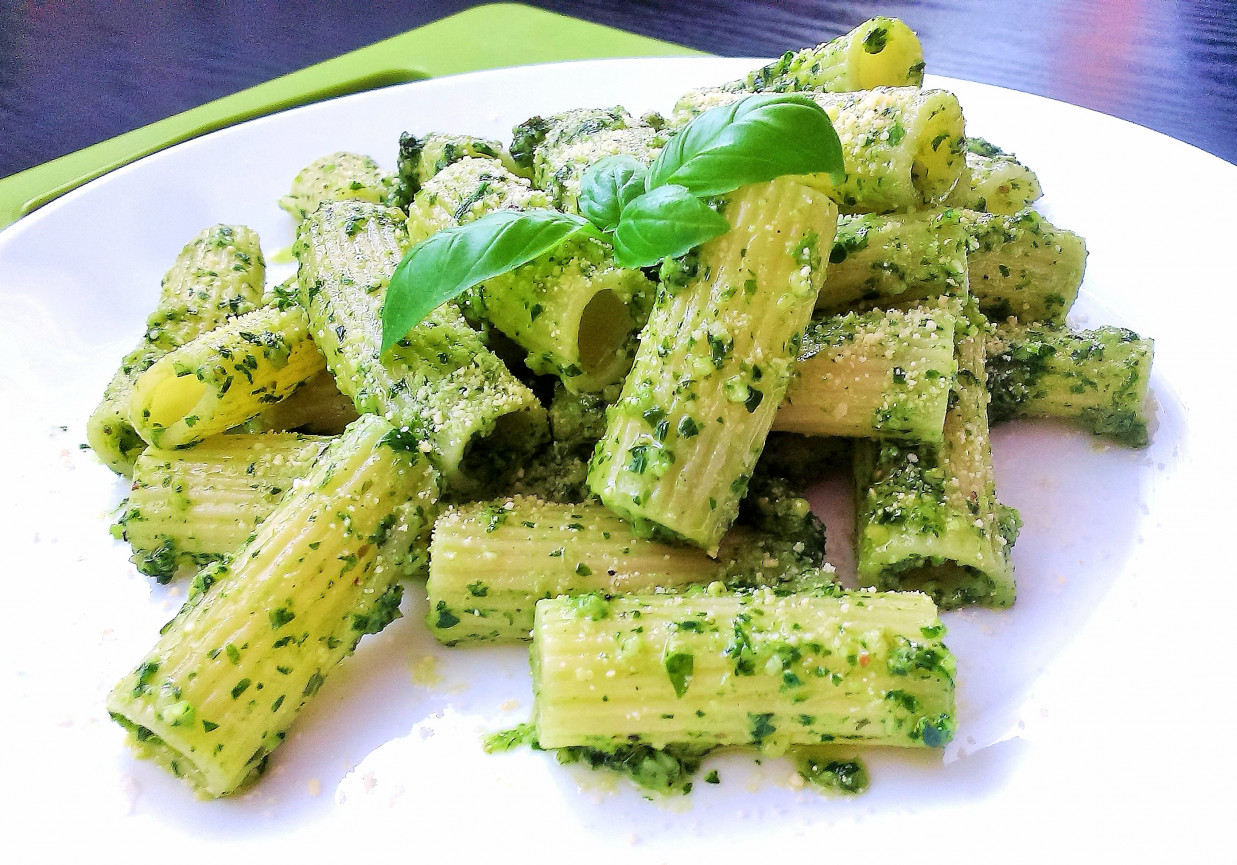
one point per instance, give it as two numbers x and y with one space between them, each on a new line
453 260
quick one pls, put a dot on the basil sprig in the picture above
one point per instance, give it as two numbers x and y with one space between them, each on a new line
753 140
647 214
451 261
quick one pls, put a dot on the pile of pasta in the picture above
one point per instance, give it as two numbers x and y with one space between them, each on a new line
610 463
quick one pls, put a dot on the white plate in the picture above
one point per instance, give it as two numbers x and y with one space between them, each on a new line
1090 714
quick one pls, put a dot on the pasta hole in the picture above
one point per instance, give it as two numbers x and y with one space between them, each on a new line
605 326
174 399
939 148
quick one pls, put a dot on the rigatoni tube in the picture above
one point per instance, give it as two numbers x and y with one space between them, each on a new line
881 374
994 181
1022 266
928 515
741 669
490 562
422 158
573 309
1096 378
224 377
560 168
199 504
217 275
336 177
317 407
902 147
713 365
895 258
880 52
258 636
439 382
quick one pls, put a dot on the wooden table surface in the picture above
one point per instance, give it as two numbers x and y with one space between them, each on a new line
72 74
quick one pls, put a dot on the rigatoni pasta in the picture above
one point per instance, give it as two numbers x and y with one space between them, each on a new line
881 375
196 505
439 382
714 363
224 377
661 627
492 561
217 275
259 635
759 669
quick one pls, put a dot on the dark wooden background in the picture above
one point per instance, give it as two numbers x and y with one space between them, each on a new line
74 73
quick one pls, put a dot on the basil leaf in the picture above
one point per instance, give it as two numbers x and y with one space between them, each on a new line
447 263
756 139
608 186
663 223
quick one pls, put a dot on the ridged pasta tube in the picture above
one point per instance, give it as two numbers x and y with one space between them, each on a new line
533 138
258 636
560 169
1096 378
741 669
994 181
902 147
881 374
339 176
439 382
465 190
928 515
217 275
1022 265
713 365
896 258
880 52
490 562
420 159
199 504
224 377
573 309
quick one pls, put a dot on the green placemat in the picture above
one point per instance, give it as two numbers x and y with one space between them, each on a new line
485 37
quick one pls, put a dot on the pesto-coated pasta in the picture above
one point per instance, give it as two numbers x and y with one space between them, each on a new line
490 562
420 159
883 375
902 148
560 168
1097 379
339 176
224 377
317 407
217 275
465 190
1023 266
439 382
741 669
535 137
258 635
896 258
197 505
714 363
880 52
994 181
928 515
573 309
